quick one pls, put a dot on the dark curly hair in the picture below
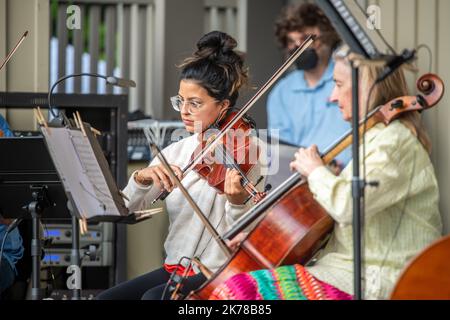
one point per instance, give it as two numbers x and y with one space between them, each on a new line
217 67
299 17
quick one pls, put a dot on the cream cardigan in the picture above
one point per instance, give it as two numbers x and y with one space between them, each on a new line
401 215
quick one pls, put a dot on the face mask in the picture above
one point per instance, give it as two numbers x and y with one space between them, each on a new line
308 59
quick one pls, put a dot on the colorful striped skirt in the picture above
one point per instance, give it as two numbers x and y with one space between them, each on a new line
283 283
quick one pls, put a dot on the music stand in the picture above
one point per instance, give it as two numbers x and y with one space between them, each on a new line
86 177
30 181
29 186
88 182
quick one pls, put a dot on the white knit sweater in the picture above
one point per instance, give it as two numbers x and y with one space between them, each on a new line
186 229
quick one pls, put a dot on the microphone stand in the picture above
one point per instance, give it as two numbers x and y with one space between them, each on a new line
358 186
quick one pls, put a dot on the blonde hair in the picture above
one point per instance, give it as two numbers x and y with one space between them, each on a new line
392 87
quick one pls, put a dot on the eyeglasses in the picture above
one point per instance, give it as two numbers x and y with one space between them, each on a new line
192 106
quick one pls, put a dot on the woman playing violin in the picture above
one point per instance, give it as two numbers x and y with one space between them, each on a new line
209 87
401 214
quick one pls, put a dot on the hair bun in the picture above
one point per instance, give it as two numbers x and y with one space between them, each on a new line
217 67
216 42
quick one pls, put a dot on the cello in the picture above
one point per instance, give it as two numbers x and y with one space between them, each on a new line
290 217
427 276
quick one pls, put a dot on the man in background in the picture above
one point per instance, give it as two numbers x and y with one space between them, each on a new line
299 105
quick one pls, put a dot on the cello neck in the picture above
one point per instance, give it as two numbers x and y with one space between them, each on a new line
296 178
347 140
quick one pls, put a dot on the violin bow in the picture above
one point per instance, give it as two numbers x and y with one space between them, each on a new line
191 201
246 107
9 56
253 100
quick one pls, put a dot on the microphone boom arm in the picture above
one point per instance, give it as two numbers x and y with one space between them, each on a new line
109 80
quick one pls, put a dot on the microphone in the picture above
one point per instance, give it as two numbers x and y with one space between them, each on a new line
393 63
124 83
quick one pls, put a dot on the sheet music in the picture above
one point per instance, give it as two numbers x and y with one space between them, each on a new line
80 172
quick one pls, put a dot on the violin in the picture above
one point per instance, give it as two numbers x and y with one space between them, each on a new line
234 121
235 152
292 225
